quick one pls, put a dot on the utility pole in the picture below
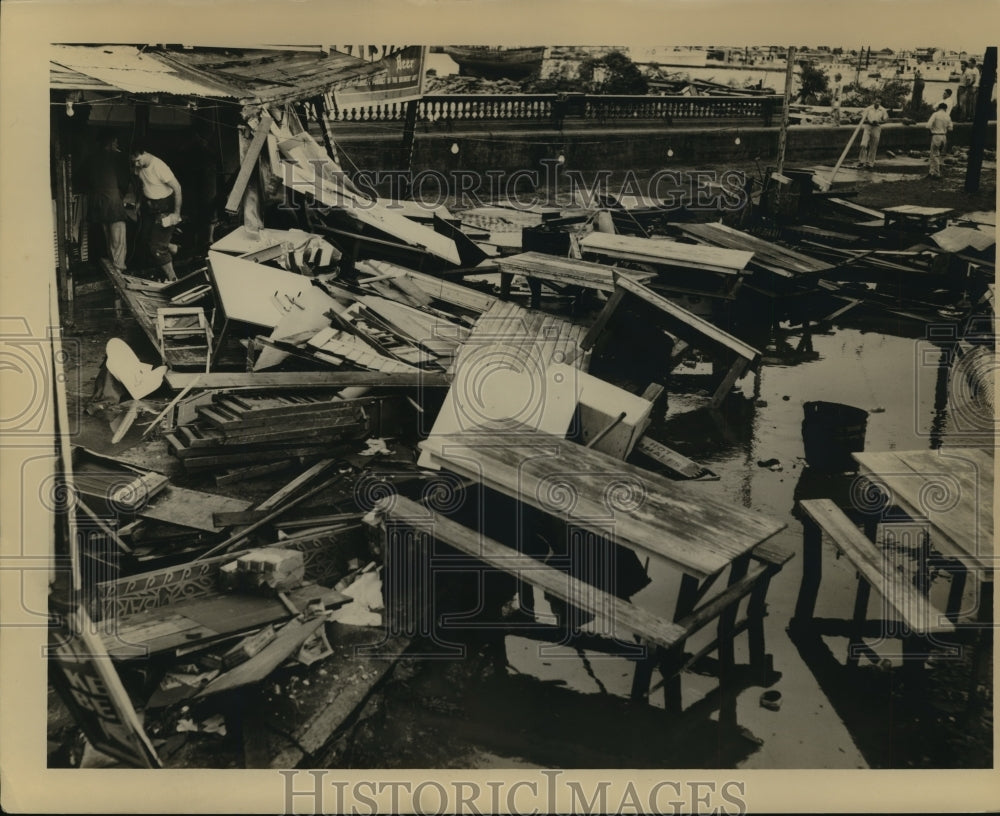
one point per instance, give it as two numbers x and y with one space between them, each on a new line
988 76
783 137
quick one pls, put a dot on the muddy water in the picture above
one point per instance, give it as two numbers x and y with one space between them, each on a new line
560 706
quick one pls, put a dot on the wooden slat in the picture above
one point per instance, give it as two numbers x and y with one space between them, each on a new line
768 255
909 603
566 270
689 327
258 667
561 585
190 508
310 379
204 619
677 462
698 533
248 164
669 253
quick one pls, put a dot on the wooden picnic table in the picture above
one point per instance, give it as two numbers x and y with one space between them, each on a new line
700 535
950 488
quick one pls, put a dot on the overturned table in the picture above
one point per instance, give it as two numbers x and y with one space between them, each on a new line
699 535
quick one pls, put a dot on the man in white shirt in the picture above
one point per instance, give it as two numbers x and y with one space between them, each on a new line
948 100
970 81
162 211
939 124
872 119
836 93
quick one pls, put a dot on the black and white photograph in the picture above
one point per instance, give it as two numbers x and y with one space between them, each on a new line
588 418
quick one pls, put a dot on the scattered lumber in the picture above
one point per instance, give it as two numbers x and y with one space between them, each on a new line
566 271
665 253
234 429
767 256
300 380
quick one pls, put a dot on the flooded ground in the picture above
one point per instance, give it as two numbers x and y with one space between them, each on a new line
569 708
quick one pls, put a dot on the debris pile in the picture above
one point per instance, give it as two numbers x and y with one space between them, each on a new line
334 351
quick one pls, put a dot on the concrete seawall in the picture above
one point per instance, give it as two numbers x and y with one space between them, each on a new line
508 147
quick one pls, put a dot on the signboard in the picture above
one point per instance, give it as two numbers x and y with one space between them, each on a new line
400 81
82 673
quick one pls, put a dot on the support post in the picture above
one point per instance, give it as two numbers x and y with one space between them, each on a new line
783 137
978 144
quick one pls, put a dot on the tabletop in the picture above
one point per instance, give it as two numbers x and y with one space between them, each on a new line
952 488
696 532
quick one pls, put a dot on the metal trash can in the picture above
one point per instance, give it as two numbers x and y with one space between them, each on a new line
831 432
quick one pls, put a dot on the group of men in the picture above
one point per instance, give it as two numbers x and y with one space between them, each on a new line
968 90
939 124
874 116
111 195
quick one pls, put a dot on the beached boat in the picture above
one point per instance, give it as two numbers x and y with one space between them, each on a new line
493 62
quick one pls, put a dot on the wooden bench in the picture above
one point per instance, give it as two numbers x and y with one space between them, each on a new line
409 530
921 620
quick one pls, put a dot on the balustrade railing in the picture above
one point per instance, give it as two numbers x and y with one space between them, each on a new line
555 108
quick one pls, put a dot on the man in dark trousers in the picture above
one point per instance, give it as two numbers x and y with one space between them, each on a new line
107 182
161 210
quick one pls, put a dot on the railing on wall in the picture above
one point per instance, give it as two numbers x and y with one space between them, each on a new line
555 108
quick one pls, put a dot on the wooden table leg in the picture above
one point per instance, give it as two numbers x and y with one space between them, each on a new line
671 662
959 575
643 676
982 655
855 645
812 572
727 653
506 278
535 286
756 612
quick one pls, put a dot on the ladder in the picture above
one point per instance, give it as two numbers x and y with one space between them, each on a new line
176 324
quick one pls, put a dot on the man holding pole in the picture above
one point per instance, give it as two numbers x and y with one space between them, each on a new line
939 124
872 119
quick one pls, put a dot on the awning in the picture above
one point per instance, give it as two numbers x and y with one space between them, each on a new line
123 68
252 75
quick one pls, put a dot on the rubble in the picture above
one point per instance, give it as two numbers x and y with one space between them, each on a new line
389 372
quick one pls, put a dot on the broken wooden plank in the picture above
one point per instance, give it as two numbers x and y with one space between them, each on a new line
298 380
237 475
248 164
285 644
667 253
184 624
567 271
688 326
765 254
676 462
262 295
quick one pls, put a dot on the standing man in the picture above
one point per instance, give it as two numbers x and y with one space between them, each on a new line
836 94
107 181
970 81
960 101
948 100
872 119
939 124
162 209
917 97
